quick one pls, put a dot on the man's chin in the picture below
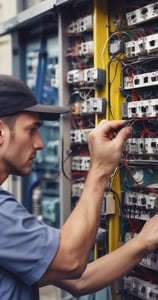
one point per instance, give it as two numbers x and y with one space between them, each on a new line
22 173
26 173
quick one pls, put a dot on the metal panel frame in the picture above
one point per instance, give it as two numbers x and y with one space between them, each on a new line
26 16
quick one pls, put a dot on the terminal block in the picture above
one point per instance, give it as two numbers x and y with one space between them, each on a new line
93 106
140 109
80 25
141 80
143 14
89 77
77 189
140 288
80 163
145 45
150 261
86 49
79 136
75 77
85 23
135 48
94 76
147 201
140 205
140 146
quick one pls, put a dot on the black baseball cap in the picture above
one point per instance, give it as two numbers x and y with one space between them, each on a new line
16 97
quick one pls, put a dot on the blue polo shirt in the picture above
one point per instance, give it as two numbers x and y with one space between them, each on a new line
27 247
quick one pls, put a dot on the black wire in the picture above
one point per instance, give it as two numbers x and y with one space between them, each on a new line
110 82
116 195
63 160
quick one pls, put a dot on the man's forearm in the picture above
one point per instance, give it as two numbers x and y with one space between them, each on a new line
79 232
86 215
105 270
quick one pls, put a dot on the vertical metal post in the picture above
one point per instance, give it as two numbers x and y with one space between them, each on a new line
103 24
100 36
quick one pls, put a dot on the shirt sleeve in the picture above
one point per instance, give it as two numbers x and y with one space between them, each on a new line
27 245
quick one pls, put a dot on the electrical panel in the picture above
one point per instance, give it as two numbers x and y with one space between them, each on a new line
82 80
109 61
134 45
85 81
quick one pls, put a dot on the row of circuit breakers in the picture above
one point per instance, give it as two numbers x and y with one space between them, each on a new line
134 45
82 80
140 165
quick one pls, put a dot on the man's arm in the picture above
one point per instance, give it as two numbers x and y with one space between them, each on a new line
105 270
79 231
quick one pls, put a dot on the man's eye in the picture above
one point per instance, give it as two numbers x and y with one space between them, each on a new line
32 130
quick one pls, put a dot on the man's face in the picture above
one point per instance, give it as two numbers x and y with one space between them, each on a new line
23 143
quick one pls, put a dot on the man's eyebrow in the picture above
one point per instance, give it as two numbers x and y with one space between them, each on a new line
38 123
35 124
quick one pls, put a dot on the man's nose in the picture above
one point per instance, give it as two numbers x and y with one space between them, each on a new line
39 144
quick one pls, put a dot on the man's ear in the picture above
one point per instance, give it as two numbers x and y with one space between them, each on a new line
1 131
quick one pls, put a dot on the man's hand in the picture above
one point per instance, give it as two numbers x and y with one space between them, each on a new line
148 236
106 144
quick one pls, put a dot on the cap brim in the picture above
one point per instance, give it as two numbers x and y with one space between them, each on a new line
48 112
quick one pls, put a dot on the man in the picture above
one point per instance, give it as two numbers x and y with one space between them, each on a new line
33 254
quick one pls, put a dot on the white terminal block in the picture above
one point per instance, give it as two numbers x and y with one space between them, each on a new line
151 43
131 146
94 76
141 80
140 288
77 189
80 163
129 81
90 76
143 108
138 146
146 290
75 77
150 261
73 27
80 25
93 106
148 201
78 136
143 14
151 144
141 146
155 293
131 49
85 24
86 49
135 48
145 45
140 49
